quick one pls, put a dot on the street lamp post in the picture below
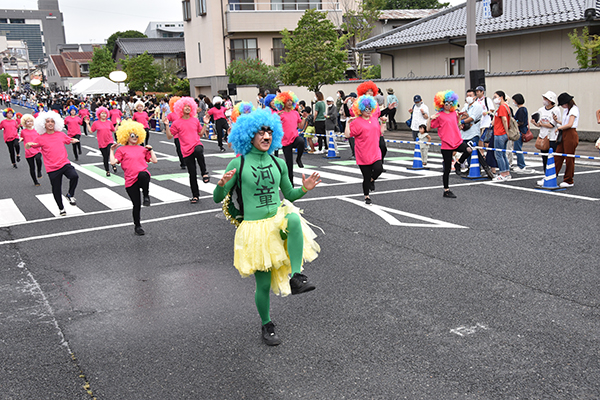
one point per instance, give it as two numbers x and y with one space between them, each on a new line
118 76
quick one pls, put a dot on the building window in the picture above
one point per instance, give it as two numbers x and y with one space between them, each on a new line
278 51
241 5
199 54
187 13
291 5
85 68
17 21
200 7
243 49
457 66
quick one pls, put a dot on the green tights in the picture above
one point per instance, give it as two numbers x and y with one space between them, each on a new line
295 245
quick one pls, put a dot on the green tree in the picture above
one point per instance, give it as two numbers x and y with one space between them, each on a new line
167 75
110 42
4 81
141 71
358 25
413 4
102 63
372 72
315 55
254 72
587 48
181 88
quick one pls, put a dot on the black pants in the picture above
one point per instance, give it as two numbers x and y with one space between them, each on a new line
221 126
105 156
56 181
190 163
32 161
13 148
553 146
142 183
320 132
77 147
178 149
382 147
447 155
147 137
351 141
84 129
370 172
288 152
392 119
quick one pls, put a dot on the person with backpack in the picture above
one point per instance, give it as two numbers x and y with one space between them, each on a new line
273 240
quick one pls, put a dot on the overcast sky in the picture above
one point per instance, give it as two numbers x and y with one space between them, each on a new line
94 22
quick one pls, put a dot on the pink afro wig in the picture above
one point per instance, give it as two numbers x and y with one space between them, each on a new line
362 103
442 97
101 110
172 102
363 87
283 98
185 101
244 107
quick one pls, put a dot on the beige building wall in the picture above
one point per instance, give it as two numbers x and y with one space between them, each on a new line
531 52
530 86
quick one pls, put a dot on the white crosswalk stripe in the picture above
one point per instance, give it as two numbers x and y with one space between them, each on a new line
10 213
48 201
110 199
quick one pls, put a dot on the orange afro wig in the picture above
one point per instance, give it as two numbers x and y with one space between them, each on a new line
283 98
365 86
172 102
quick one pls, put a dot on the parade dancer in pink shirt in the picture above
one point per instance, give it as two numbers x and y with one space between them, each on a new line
134 160
51 141
73 123
104 128
141 116
33 156
10 128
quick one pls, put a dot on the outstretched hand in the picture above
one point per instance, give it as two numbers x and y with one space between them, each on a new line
312 181
226 177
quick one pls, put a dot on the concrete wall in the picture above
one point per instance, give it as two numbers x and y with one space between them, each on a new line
531 86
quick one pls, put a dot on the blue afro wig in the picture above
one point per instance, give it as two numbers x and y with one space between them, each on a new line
72 108
268 100
364 102
246 126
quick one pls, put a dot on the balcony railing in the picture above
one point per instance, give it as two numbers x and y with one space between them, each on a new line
281 5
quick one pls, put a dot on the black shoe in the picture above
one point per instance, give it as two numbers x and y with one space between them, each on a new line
37 184
299 162
457 169
383 170
488 172
368 200
139 231
15 166
300 284
222 150
449 194
372 188
114 169
18 158
71 199
39 175
62 213
269 336
182 166
146 202
107 173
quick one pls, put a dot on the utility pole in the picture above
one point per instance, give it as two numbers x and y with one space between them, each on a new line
471 49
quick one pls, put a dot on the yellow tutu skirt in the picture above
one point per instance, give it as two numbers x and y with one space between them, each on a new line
260 247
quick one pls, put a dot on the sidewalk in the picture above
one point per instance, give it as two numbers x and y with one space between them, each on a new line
583 149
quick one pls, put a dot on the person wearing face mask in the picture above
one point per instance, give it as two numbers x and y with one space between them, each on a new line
419 114
501 120
570 139
470 118
521 116
546 119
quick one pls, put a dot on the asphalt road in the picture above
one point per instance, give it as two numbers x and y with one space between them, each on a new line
493 295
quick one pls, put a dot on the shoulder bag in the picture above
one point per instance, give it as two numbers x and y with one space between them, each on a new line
542 144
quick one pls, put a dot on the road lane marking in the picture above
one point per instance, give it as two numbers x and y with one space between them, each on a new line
94 172
164 194
48 201
10 213
110 199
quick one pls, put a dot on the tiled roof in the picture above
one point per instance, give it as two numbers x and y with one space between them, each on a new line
136 46
61 67
406 14
78 55
451 23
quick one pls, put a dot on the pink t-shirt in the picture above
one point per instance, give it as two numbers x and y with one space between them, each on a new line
366 144
217 114
53 150
10 127
73 124
115 114
104 135
187 130
447 126
134 159
30 135
172 117
289 122
84 112
141 117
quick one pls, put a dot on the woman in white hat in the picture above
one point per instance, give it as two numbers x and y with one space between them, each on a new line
546 119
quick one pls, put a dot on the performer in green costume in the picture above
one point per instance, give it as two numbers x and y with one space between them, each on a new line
273 239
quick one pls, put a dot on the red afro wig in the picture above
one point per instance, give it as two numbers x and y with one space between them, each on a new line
185 101
363 87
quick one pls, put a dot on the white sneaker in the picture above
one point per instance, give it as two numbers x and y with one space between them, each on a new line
525 170
507 177
499 178
566 185
540 182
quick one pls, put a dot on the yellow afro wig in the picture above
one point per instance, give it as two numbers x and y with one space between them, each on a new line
128 127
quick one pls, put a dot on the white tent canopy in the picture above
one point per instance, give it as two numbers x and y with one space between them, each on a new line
99 85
